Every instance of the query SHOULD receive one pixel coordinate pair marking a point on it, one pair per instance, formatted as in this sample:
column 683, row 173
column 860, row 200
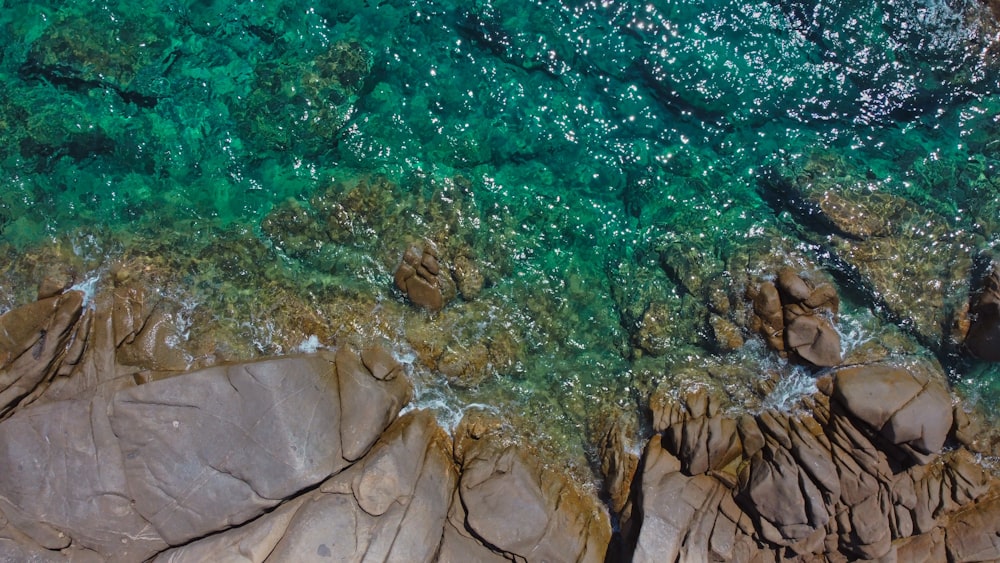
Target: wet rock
column 54, row 285
column 814, row 339
column 294, row 229
column 903, row 406
column 554, row 520
column 618, row 465
column 146, row 331
column 983, row 339
column 34, row 339
column 467, row 344
column 909, row 261
column 769, row 318
column 468, row 277
column 793, row 315
column 725, row 333
column 418, row 276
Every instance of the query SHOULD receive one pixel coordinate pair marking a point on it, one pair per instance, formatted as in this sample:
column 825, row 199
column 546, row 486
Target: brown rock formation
column 832, row 484
column 793, row 315
column 419, row 276
column 523, row 510
column 35, row 340
column 983, row 340
column 286, row 459
column 389, row 506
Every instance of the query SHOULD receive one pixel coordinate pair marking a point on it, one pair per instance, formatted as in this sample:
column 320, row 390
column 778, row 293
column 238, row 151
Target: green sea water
column 293, row 148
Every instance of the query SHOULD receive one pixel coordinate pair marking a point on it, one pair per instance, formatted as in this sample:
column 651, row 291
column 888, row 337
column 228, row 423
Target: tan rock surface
column 33, row 341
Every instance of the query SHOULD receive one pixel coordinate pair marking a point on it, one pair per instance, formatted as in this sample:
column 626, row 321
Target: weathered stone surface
column 983, row 340
column 418, row 276
column 923, row 548
column 303, row 458
column 618, row 465
column 459, row 545
column 973, row 534
column 33, row 341
column 905, row 407
column 703, row 443
column 219, row 446
column 390, row 506
column 823, row 485
column 63, row 480
column 679, row 512
column 523, row 510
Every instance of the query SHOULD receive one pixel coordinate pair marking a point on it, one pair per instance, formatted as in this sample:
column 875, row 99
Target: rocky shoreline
column 117, row 446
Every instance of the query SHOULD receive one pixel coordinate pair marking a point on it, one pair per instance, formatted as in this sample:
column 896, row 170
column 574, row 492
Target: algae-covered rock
column 983, row 339
column 301, row 105
column 129, row 55
column 911, row 262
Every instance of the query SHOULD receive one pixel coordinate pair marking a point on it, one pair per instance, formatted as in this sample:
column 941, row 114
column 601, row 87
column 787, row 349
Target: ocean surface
column 266, row 164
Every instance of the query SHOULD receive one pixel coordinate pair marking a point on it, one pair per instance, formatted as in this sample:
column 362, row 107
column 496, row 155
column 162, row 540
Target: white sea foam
column 790, row 390
column 89, row 288
column 310, row 345
column 447, row 412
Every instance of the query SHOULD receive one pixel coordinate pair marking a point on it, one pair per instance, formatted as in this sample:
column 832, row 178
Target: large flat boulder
column 127, row 473
column 905, row 406
column 63, row 482
column 390, row 506
column 219, row 446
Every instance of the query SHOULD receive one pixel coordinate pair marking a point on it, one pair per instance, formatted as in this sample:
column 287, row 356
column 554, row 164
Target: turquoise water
column 267, row 163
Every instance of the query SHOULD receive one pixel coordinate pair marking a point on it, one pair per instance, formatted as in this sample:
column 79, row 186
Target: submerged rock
column 911, row 262
column 983, row 339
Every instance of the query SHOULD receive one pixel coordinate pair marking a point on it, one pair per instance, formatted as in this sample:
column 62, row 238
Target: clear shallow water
column 562, row 145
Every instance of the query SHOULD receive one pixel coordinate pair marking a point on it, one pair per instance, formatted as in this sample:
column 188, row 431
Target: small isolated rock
column 814, row 340
column 468, row 277
column 417, row 276
column 793, row 315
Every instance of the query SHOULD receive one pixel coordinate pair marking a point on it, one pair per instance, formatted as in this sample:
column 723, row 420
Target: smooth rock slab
column 217, row 447
column 389, row 506
column 62, row 479
column 904, row 406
